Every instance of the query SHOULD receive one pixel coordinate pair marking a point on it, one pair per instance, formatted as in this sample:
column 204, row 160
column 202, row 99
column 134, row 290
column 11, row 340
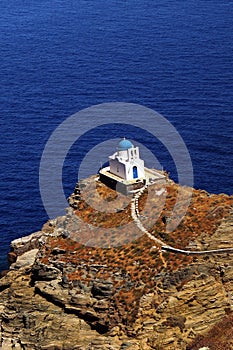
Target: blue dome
column 124, row 145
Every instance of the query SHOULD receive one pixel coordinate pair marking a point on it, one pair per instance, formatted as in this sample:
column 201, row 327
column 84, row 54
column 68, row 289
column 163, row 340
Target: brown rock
column 58, row 296
column 27, row 259
column 12, row 257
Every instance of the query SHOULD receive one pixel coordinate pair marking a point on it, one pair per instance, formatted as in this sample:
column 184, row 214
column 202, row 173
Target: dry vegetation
column 204, row 215
column 127, row 259
column 220, row 337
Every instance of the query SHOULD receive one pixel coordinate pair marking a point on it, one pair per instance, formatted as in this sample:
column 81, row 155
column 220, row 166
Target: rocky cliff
column 91, row 280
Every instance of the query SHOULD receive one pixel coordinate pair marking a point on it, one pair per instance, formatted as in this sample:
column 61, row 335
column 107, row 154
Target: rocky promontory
column 92, row 280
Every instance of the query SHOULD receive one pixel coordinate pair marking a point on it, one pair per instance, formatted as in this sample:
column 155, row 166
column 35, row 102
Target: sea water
column 58, row 57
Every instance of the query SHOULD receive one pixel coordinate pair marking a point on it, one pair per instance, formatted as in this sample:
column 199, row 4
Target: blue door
column 135, row 172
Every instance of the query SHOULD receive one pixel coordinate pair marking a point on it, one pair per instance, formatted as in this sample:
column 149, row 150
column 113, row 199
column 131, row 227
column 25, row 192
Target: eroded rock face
column 43, row 315
column 29, row 321
column 53, row 298
column 184, row 314
column 27, row 259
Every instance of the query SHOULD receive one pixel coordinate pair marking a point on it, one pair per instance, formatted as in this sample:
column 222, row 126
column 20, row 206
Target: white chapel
column 126, row 162
column 126, row 171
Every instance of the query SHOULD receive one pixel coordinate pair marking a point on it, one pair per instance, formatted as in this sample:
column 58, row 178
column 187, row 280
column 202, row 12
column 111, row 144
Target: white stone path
column 160, row 245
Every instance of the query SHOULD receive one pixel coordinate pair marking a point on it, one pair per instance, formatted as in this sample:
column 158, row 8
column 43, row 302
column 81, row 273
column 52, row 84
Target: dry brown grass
column 220, row 337
column 134, row 257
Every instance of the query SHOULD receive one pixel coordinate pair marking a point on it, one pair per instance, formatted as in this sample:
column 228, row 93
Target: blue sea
column 59, row 57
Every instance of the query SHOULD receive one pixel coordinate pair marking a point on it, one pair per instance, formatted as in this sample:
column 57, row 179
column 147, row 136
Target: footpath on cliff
column 95, row 279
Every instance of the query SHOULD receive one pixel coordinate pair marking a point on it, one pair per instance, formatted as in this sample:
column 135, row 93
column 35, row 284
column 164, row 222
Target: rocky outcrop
column 30, row 321
column 27, row 259
column 60, row 294
column 49, row 315
column 183, row 314
column 24, row 244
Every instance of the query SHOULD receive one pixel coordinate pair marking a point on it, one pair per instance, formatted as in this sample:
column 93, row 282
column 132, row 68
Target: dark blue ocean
column 59, row 57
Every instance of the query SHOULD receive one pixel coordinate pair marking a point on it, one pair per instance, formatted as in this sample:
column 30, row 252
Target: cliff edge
column 92, row 279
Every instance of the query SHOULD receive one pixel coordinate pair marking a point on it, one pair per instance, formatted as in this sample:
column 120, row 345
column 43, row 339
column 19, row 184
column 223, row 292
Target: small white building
column 126, row 162
column 126, row 171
